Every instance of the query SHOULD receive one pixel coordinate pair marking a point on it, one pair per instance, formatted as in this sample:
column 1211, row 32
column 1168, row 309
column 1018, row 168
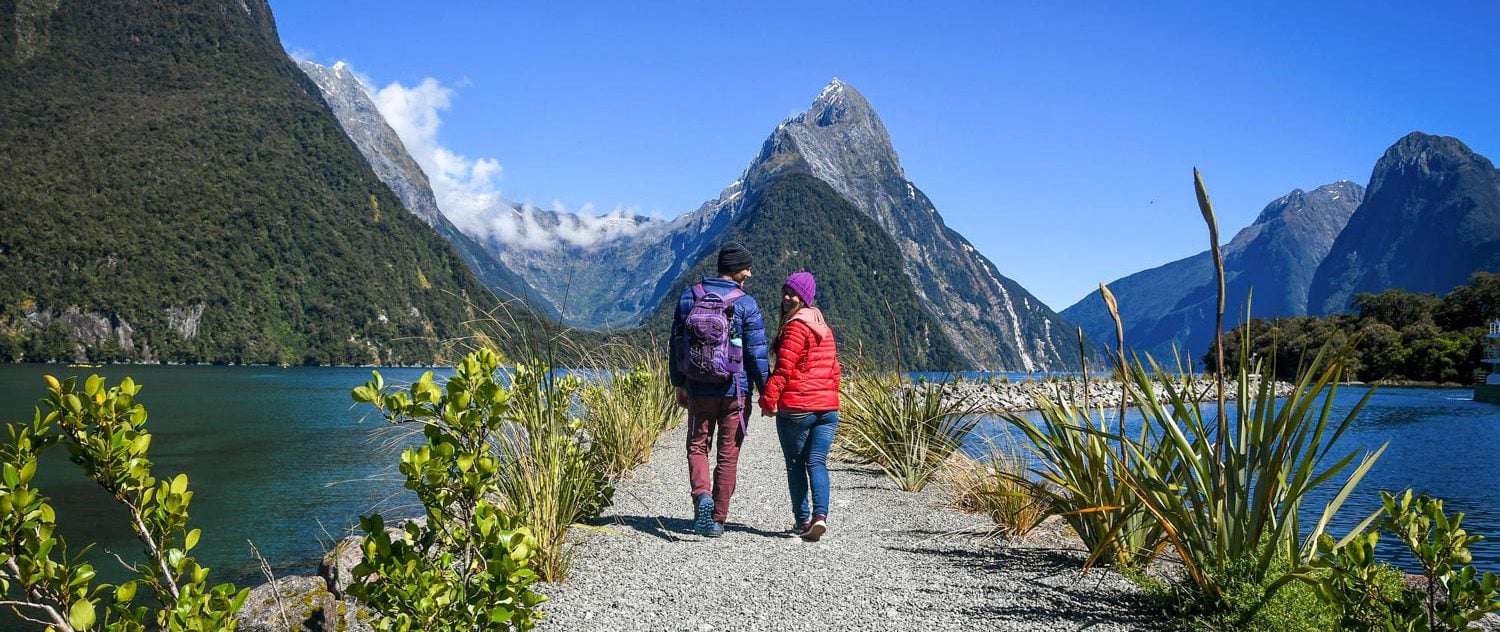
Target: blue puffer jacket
column 752, row 331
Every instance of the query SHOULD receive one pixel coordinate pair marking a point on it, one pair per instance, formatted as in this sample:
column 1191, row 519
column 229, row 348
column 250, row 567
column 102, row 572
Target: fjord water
column 280, row 457
column 1441, row 442
column 284, row 458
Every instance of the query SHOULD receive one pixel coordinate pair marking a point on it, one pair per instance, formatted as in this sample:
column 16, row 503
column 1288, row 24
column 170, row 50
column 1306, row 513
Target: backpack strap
column 698, row 292
column 733, row 295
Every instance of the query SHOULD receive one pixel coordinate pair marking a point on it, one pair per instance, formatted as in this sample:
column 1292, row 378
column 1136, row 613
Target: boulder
column 301, row 604
column 338, row 565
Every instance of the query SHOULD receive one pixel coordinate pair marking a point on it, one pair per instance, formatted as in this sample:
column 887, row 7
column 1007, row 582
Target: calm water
column 280, row 457
column 284, row 458
column 1441, row 442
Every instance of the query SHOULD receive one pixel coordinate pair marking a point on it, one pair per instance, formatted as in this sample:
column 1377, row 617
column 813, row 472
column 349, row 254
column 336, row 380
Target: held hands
column 682, row 398
column 767, row 409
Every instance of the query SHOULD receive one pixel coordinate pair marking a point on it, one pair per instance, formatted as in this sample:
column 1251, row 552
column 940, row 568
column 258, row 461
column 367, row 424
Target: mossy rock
column 301, row 604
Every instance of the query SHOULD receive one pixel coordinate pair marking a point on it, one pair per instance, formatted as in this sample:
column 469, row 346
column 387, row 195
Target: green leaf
column 125, row 592
column 81, row 615
column 192, row 539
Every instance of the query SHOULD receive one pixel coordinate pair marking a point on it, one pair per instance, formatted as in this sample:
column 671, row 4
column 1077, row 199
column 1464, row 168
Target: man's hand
column 682, row 399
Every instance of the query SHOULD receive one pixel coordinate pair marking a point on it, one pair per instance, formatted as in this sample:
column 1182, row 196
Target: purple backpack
column 707, row 353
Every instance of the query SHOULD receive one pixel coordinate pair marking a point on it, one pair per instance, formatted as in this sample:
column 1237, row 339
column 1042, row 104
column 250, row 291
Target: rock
column 338, row 565
column 304, row 605
column 290, row 603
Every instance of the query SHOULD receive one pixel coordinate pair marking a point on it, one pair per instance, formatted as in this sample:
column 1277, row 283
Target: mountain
column 175, row 189
column 989, row 320
column 357, row 114
column 1173, row 305
column 872, row 306
column 599, row 273
column 1430, row 218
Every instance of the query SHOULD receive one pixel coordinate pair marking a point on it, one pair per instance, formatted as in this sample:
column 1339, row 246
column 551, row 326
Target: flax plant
column 1229, row 491
column 1243, row 503
column 1079, row 468
column 1080, row 476
column 907, row 430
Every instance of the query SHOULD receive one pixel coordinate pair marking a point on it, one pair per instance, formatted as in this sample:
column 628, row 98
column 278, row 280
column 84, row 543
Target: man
column 719, row 354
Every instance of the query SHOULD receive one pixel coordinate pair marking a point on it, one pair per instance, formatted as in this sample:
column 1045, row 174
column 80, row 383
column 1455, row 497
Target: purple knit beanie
column 803, row 285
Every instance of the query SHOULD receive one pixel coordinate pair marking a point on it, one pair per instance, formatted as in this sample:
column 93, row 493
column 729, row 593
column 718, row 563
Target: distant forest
column 1393, row 335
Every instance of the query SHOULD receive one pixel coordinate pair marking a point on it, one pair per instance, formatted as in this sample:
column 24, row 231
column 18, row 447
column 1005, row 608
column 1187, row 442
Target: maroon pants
column 706, row 417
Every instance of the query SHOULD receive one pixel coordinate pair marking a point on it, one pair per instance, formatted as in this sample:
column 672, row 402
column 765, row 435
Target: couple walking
column 719, row 354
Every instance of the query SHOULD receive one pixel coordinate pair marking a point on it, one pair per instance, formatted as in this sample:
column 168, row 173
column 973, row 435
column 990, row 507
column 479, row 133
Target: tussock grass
column 584, row 409
column 626, row 410
column 907, row 430
column 992, row 483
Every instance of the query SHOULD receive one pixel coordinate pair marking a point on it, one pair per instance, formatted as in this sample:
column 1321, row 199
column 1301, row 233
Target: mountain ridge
column 1173, row 305
column 1432, row 200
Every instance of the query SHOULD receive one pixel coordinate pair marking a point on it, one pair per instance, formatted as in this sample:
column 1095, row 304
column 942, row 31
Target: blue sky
column 1058, row 137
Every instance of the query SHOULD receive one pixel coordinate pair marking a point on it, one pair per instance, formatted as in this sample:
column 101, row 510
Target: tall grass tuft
column 907, row 430
column 626, row 410
column 548, row 478
column 992, row 483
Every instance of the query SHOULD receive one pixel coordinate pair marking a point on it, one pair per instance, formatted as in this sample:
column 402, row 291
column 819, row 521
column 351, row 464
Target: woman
column 803, row 393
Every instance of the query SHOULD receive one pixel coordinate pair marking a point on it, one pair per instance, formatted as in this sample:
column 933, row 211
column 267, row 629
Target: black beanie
column 733, row 258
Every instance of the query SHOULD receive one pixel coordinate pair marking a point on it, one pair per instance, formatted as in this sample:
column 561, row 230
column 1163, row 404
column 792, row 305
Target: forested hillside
column 174, row 189
column 1393, row 335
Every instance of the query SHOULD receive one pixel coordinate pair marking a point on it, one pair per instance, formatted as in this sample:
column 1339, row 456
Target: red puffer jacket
column 806, row 377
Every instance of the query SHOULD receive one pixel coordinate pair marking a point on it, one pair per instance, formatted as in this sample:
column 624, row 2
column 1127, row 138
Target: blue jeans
column 805, row 441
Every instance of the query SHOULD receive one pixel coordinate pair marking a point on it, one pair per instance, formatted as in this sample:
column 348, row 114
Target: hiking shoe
column 703, row 519
column 799, row 529
column 816, row 530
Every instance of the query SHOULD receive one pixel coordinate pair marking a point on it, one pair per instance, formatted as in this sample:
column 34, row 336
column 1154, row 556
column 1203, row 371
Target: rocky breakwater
column 998, row 397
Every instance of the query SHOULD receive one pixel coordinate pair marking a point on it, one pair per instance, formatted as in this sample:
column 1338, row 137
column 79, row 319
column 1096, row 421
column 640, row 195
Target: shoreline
column 1023, row 396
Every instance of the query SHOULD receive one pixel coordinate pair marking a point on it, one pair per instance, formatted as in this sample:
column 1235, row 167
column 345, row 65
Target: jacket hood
column 813, row 318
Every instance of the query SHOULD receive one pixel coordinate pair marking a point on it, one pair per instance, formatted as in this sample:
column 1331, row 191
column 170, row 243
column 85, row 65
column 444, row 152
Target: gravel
column 890, row 561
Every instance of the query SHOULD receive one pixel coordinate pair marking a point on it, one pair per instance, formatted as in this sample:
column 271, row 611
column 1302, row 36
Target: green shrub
column 104, row 429
column 1255, row 605
column 907, row 430
column 468, row 566
column 1454, row 596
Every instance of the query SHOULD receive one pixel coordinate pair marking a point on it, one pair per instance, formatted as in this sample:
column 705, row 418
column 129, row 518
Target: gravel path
column 890, row 561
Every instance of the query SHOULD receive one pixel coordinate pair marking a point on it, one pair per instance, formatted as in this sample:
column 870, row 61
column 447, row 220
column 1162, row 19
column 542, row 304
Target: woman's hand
column 766, row 409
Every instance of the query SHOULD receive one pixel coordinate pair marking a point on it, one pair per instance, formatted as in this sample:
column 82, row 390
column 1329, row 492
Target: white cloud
column 299, row 54
column 467, row 189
